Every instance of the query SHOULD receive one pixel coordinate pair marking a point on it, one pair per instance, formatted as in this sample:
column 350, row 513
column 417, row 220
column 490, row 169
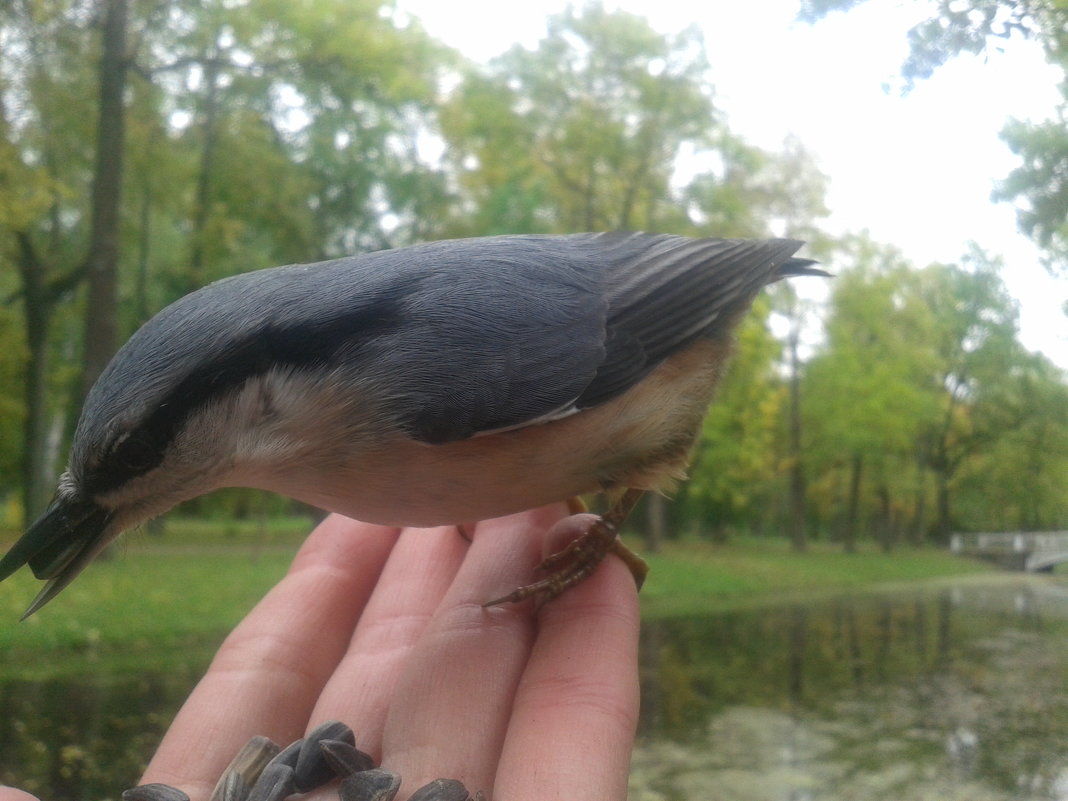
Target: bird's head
column 148, row 438
column 199, row 398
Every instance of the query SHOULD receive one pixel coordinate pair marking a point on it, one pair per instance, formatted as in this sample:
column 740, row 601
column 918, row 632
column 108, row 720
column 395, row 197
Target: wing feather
column 667, row 291
column 548, row 325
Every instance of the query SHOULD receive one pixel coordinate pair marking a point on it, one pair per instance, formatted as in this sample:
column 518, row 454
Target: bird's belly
column 640, row 439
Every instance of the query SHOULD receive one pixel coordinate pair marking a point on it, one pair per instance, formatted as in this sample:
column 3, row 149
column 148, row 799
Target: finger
column 451, row 705
column 420, row 569
column 576, row 705
column 269, row 671
column 11, row 794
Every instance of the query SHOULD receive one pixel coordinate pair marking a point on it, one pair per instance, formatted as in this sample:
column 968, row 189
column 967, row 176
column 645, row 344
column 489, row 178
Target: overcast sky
column 916, row 170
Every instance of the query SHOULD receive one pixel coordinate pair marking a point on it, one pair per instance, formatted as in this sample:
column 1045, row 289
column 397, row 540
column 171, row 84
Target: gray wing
column 664, row 292
column 497, row 333
column 538, row 327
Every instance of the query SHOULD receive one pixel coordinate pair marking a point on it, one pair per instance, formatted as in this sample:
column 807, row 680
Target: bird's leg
column 579, row 559
column 638, row 567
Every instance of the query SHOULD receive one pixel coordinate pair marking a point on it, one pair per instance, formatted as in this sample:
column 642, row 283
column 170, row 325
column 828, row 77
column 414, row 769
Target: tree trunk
column 919, row 511
column 849, row 535
column 101, row 321
column 943, row 524
column 37, row 478
column 655, row 519
column 886, row 521
column 797, row 473
column 207, row 167
column 144, row 248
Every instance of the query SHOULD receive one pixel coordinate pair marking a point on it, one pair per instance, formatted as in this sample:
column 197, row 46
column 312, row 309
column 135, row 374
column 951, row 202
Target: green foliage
column 591, row 123
column 870, row 392
column 12, row 406
column 585, row 132
column 1019, row 481
column 1040, row 183
column 966, row 26
column 923, row 396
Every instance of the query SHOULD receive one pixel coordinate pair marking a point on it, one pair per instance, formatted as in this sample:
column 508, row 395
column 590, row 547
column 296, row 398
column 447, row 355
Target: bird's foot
column 580, row 558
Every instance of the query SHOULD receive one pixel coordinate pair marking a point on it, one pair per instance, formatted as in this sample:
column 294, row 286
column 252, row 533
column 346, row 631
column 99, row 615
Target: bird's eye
column 135, row 454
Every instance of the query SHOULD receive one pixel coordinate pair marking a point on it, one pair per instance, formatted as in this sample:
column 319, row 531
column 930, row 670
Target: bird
column 426, row 385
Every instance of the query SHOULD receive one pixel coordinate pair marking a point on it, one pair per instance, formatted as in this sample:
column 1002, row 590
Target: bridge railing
column 1009, row 542
column 1016, row 550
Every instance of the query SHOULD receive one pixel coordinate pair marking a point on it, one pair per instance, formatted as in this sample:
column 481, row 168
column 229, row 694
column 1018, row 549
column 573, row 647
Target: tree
column 922, row 397
column 587, row 127
column 795, row 312
column 44, row 165
column 1021, row 481
column 591, row 131
column 868, row 391
column 102, row 257
column 1039, row 186
column 975, row 349
column 300, row 122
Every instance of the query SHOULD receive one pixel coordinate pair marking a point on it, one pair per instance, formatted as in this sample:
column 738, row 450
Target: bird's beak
column 59, row 545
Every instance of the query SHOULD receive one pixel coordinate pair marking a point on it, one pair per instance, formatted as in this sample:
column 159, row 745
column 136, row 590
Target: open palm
column 384, row 630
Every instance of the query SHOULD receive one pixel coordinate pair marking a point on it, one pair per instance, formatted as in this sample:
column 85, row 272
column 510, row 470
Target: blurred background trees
column 150, row 146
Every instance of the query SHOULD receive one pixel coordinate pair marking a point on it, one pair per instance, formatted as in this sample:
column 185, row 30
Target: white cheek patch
column 281, row 429
column 280, row 421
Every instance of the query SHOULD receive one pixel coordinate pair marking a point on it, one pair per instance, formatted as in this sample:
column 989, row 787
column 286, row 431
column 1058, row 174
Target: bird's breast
column 639, row 439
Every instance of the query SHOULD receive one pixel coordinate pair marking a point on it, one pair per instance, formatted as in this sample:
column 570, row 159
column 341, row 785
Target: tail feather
column 798, row 266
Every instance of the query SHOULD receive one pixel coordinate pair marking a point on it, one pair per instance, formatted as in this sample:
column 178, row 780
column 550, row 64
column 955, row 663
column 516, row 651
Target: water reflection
column 959, row 694
column 88, row 738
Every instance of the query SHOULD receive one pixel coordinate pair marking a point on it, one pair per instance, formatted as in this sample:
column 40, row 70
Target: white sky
column 915, row 170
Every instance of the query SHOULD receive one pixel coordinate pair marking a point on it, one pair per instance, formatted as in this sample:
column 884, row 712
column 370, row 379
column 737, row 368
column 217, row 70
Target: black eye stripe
column 300, row 347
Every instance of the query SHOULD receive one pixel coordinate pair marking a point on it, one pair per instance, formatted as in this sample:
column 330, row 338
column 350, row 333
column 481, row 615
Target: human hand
column 384, row 630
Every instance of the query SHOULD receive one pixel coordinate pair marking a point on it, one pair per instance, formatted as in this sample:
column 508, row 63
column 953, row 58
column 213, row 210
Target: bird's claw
column 576, row 561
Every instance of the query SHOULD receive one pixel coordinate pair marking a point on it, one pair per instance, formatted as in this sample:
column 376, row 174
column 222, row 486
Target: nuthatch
column 433, row 384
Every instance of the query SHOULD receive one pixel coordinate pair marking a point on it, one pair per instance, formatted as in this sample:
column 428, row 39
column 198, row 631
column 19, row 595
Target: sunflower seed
column 154, row 792
column 370, row 785
column 275, row 783
column 312, row 768
column 246, row 766
column 231, row 787
column 288, row 756
column 345, row 759
column 441, row 790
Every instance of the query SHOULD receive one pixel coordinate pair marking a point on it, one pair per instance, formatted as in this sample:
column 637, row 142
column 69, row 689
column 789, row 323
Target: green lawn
column 690, row 578
column 187, row 588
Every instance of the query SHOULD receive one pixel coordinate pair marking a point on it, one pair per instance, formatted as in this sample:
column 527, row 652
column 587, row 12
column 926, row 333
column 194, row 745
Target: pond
column 951, row 693
column 954, row 694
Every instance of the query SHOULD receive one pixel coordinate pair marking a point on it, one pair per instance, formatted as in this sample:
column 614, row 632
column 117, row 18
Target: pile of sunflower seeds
column 264, row 771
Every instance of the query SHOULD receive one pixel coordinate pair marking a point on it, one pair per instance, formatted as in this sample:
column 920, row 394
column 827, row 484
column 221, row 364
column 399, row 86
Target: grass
column 184, row 590
column 694, row 578
column 151, row 596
